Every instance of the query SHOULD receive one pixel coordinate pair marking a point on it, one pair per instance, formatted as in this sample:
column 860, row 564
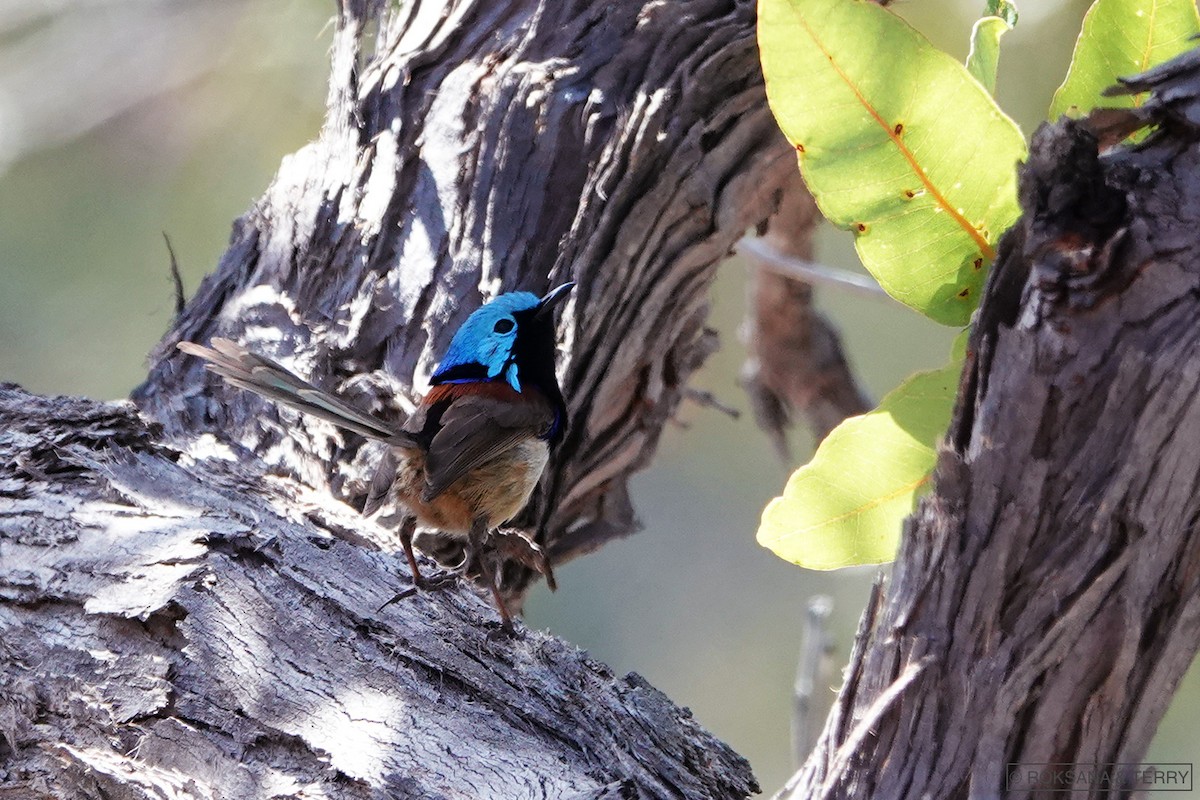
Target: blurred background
column 124, row 119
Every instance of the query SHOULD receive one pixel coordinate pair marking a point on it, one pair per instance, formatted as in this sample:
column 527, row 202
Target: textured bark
column 189, row 608
column 795, row 364
column 484, row 146
column 178, row 625
column 1046, row 600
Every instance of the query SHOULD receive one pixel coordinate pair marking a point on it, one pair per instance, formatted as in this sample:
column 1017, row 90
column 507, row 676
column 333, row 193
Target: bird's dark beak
column 545, row 306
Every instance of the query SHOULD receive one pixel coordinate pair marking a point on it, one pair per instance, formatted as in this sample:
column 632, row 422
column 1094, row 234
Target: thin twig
column 865, row 726
column 810, row 271
column 176, row 278
column 812, row 670
column 710, row 400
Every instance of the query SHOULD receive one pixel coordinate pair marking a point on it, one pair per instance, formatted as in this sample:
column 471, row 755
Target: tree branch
column 795, row 364
column 177, row 624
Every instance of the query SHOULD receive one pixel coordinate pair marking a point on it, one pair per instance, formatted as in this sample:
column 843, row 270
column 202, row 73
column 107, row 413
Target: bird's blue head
column 511, row 338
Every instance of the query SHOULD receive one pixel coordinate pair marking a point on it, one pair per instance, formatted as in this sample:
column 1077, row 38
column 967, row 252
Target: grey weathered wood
column 178, row 625
column 1046, row 600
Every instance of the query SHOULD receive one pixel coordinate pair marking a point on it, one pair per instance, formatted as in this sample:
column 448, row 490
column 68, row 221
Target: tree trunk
column 484, row 146
column 1046, row 600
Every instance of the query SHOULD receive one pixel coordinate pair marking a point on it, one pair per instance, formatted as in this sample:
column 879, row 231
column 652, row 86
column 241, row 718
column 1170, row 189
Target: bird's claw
column 516, row 545
column 424, row 583
column 397, row 597
column 438, row 580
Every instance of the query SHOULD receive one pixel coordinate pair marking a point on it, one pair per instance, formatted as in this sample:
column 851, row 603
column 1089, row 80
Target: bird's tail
column 265, row 377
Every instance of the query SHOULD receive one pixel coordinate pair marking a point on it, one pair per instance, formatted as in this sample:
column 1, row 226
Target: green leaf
column 958, row 348
column 1004, row 9
column 846, row 506
column 1119, row 38
column 985, row 41
column 897, row 143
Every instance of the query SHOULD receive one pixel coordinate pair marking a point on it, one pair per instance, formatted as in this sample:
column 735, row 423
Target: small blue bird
column 469, row 457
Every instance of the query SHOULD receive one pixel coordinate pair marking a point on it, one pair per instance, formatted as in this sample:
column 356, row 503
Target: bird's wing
column 265, row 377
column 476, row 428
column 381, row 483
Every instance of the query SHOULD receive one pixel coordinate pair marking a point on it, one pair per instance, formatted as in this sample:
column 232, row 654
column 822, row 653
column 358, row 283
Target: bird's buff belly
column 497, row 490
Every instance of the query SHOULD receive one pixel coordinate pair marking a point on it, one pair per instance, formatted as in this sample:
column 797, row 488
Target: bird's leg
column 408, row 527
column 475, row 550
column 438, row 580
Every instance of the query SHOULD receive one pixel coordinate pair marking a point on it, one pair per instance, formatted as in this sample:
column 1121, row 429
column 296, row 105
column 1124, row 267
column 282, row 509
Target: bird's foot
column 507, row 629
column 438, row 580
column 443, row 579
column 516, row 545
column 397, row 597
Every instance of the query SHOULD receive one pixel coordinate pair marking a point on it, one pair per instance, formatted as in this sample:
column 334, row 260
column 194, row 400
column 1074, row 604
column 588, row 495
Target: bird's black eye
column 504, row 325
